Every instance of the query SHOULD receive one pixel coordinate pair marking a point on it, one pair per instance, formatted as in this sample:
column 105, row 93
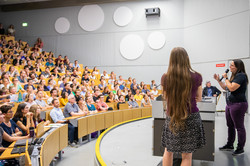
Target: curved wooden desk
column 102, row 120
column 53, row 144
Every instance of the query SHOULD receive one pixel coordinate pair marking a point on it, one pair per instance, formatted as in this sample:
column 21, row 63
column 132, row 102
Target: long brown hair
column 177, row 85
column 240, row 68
column 36, row 116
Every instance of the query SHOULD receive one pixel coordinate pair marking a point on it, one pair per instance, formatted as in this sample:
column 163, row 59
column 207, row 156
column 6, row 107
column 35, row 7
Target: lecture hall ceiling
column 18, row 5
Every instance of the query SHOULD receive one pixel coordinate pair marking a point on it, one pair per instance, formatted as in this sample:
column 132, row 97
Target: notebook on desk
column 19, row 150
column 22, row 142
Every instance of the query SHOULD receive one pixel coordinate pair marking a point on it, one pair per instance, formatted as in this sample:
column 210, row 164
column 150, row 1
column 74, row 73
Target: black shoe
column 226, row 148
column 238, row 152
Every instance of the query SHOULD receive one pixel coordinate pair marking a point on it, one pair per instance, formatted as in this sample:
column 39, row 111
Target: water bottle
column 20, row 97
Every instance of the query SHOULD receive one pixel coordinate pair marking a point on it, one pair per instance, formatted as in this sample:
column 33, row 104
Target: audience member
column 57, row 116
column 210, row 91
column 132, row 103
column 72, row 109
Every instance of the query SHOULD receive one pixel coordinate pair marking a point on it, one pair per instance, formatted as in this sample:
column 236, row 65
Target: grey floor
column 141, row 152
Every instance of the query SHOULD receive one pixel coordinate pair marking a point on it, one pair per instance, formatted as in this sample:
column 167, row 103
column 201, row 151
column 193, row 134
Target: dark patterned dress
column 192, row 137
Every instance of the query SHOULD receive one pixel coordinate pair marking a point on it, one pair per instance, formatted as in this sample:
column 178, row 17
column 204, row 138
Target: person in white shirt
column 57, row 116
column 105, row 75
column 154, row 91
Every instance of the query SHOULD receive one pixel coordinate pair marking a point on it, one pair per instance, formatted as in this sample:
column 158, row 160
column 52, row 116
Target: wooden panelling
column 82, row 127
column 118, row 117
column 136, row 113
column 99, row 122
column 109, row 119
column 91, row 124
column 127, row 114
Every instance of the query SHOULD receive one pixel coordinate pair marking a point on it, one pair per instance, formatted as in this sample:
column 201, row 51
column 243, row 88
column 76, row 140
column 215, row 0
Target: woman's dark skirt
column 187, row 140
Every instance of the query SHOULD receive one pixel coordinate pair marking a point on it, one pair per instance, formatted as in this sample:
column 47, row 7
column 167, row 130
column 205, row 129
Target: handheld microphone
column 225, row 72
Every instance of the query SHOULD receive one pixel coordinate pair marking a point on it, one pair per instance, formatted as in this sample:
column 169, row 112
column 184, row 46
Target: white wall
column 216, row 31
column 212, row 31
column 101, row 48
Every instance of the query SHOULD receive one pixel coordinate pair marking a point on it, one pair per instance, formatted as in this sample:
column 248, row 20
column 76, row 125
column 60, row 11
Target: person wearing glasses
column 4, row 136
column 23, row 118
column 16, row 84
column 8, row 125
column 72, row 109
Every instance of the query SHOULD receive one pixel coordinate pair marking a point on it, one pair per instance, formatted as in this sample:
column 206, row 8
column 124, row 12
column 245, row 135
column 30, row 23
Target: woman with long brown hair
column 236, row 106
column 183, row 131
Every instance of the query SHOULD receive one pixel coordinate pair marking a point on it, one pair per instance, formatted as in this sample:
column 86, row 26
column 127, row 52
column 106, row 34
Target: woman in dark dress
column 183, row 131
column 236, row 105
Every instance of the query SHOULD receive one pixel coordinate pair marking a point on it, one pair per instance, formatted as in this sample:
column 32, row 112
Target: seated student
column 43, row 84
column 145, row 89
column 54, row 94
column 64, row 81
column 95, row 71
column 3, row 135
column 83, row 91
column 23, row 77
column 30, row 83
column 128, row 95
column 90, row 106
column 86, row 70
column 5, row 83
column 138, row 96
column 121, row 101
column 74, row 74
column 105, row 75
column 50, row 63
column 57, row 116
column 70, row 67
column 16, row 84
column 85, row 78
column 106, row 91
column 153, row 84
column 40, row 102
column 101, row 105
column 72, row 109
column 36, row 110
column 210, row 91
column 75, row 65
column 29, row 100
column 50, row 84
column 29, row 91
column 8, row 125
column 146, row 102
column 64, row 99
column 44, row 96
column 132, row 103
column 154, row 91
column 92, row 76
column 23, row 118
column 82, row 105
column 12, row 71
column 96, row 95
column 67, row 88
column 102, row 85
column 78, row 94
column 133, row 90
column 13, row 94
column 46, row 73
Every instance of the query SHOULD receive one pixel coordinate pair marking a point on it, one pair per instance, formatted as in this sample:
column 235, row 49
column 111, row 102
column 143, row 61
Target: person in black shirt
column 85, row 78
column 210, row 91
column 2, row 31
column 236, row 105
column 121, row 101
